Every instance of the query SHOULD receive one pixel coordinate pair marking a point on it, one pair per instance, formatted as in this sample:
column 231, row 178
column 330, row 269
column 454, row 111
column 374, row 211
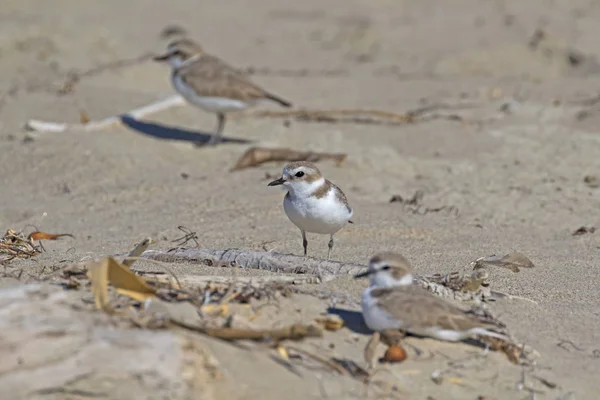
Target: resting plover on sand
column 392, row 302
column 211, row 84
column 313, row 203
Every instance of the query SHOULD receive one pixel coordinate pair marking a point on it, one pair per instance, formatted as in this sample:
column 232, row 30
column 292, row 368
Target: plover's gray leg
column 216, row 137
column 330, row 245
column 369, row 351
column 304, row 242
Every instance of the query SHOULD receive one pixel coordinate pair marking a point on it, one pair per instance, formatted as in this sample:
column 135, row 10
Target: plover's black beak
column 363, row 274
column 277, row 182
column 162, row 57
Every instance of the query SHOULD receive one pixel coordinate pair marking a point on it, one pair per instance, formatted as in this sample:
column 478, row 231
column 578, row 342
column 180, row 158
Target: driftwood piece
column 266, row 261
column 159, row 105
column 197, row 280
column 259, row 155
column 293, row 332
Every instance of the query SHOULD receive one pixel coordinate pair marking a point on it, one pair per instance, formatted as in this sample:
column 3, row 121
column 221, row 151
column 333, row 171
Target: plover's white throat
column 313, row 203
column 211, row 84
column 392, row 302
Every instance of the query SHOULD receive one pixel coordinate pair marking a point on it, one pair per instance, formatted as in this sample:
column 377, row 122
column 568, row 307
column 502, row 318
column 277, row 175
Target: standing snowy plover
column 313, row 203
column 211, row 84
column 392, row 302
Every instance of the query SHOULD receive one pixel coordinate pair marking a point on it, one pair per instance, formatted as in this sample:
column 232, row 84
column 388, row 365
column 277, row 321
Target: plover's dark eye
column 385, row 267
column 299, row 174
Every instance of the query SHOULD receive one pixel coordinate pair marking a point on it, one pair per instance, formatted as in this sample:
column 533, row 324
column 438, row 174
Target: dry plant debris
column 591, row 181
column 414, row 204
column 583, row 230
column 109, row 271
column 473, row 286
column 422, row 114
column 201, row 304
column 16, row 245
column 256, row 156
column 360, row 116
column 511, row 261
column 331, row 322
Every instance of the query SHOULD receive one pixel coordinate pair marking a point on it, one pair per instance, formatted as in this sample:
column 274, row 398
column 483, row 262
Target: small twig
column 294, row 332
column 189, row 235
column 339, row 369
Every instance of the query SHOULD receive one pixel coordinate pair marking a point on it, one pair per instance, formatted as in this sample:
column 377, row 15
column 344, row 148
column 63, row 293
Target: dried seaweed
column 18, row 245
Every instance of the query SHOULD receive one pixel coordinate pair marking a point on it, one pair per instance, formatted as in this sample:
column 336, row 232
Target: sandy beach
column 507, row 155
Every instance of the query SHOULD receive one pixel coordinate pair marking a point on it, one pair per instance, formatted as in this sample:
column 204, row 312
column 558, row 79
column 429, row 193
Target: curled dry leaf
column 108, row 270
column 259, row 155
column 512, row 261
column 137, row 252
column 282, row 351
column 47, row 236
column 83, row 117
column 331, row 322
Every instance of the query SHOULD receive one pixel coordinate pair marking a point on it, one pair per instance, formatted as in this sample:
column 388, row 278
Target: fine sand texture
column 510, row 146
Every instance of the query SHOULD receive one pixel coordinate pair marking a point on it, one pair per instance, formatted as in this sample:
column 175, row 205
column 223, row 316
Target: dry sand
column 515, row 171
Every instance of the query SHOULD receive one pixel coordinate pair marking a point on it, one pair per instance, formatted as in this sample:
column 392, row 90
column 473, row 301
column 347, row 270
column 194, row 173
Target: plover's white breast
column 375, row 317
column 211, row 104
column 325, row 215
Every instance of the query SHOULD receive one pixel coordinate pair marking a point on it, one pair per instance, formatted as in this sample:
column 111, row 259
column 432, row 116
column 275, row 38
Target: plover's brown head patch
column 301, row 171
column 388, row 269
column 182, row 49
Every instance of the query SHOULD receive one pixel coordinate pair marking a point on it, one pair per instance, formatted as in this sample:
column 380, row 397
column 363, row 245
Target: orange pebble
column 394, row 354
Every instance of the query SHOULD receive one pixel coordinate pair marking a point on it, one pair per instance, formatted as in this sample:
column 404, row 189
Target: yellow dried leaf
column 331, row 322
column 283, row 353
column 128, row 283
column 216, row 309
column 98, row 276
column 124, row 281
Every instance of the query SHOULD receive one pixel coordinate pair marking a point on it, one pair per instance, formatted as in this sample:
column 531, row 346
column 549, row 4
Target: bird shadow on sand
column 353, row 320
column 163, row 132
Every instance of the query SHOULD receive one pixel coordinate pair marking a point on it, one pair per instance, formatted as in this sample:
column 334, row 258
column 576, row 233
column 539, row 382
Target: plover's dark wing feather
column 415, row 306
column 341, row 196
column 209, row 76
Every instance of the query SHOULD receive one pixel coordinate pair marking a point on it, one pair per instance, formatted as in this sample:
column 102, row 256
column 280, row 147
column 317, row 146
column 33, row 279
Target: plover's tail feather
column 488, row 332
column 276, row 99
